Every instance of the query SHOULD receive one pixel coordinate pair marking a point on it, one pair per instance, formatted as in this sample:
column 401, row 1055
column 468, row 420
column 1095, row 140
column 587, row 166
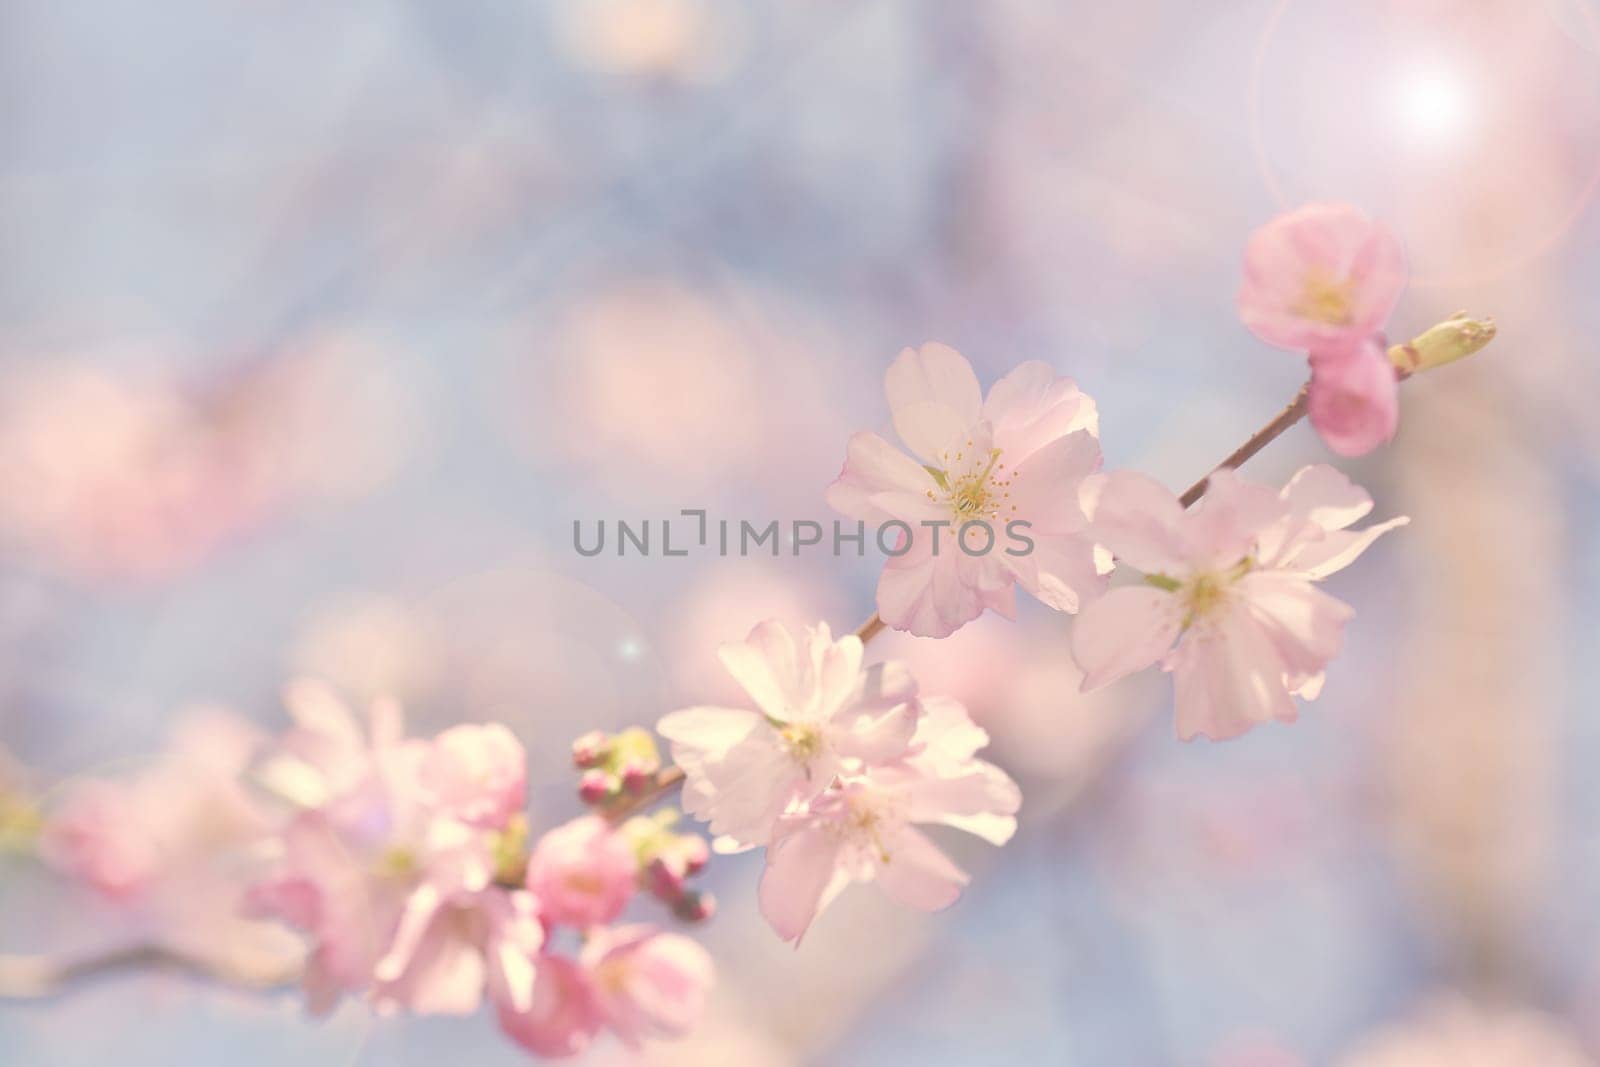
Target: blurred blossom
column 325, row 416
column 678, row 40
column 1453, row 1031
column 114, row 477
column 648, row 379
column 171, row 845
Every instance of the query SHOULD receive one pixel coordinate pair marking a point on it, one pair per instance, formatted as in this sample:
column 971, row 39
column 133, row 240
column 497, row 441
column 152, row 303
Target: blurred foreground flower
column 407, row 866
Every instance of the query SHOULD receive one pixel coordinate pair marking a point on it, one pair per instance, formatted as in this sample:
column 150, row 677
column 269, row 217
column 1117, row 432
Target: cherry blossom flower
column 1323, row 280
column 647, row 983
column 461, row 934
column 820, row 713
column 1324, row 277
column 562, row 1016
column 477, row 774
column 584, row 872
column 130, row 834
column 1016, row 457
column 1233, row 584
column 864, row 829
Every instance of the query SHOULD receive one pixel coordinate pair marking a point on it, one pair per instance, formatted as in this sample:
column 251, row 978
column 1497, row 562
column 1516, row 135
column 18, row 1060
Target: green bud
column 1455, row 338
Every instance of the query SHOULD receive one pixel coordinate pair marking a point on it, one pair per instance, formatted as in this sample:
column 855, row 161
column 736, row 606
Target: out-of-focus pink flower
column 458, row 936
column 647, row 983
column 820, row 713
column 186, row 810
column 563, row 1015
column 1232, row 582
column 1017, row 456
column 366, row 781
column 477, row 774
column 367, row 837
column 114, row 478
column 345, row 901
column 1354, row 401
column 583, row 872
column 96, row 835
column 864, row 829
column 1323, row 277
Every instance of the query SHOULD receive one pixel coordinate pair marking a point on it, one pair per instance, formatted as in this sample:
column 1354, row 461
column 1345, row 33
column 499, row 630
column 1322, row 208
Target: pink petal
column 768, row 664
column 927, row 594
column 1124, row 631
column 1304, row 624
column 1228, row 677
column 799, row 869
column 1224, row 527
column 982, row 800
column 1044, row 486
column 1140, row 521
column 1340, row 548
column 916, row 874
column 934, row 397
column 563, row 1017
column 708, row 729
column 879, row 482
column 947, row 732
column 875, row 738
column 1326, row 496
column 1341, row 245
column 1355, row 398
column 1032, row 406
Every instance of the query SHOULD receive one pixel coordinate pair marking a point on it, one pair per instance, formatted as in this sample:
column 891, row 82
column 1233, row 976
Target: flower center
column 1203, row 593
column 1326, row 299
column 979, row 494
column 803, row 739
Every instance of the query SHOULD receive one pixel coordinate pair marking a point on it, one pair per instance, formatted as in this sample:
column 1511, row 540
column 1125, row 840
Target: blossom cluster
column 405, row 864
column 408, row 867
column 833, row 771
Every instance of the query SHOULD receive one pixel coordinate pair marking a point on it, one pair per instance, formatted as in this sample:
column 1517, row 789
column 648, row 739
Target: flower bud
column 1455, row 338
column 636, row 779
column 694, row 906
column 663, row 881
column 595, row 786
column 590, row 750
column 695, row 853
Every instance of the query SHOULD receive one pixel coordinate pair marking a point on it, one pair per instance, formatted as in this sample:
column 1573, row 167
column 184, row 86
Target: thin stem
column 871, row 628
column 41, row 977
column 1259, row 440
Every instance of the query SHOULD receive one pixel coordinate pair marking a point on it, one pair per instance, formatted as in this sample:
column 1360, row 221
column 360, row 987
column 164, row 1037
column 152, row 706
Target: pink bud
column 695, row 906
column 695, row 853
column 595, row 786
column 591, row 749
column 664, row 882
column 636, row 779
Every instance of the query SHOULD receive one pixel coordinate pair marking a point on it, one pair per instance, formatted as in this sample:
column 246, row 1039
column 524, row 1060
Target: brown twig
column 40, row 977
column 1259, row 440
